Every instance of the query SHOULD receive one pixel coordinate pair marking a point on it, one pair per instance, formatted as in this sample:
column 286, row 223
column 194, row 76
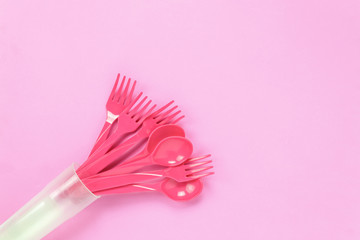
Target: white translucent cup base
column 60, row 200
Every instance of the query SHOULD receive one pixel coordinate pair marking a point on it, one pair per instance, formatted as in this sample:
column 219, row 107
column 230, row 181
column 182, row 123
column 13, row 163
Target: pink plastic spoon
column 156, row 136
column 174, row 190
column 169, row 152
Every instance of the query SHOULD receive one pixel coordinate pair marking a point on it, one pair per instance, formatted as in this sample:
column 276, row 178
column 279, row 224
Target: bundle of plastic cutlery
column 139, row 149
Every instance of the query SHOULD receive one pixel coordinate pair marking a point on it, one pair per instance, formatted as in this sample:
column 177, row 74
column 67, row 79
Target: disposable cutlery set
column 139, row 149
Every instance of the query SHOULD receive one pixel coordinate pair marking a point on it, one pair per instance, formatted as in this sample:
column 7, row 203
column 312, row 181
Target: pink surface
column 270, row 88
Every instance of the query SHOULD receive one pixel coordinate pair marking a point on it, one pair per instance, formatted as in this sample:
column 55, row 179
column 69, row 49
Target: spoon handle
column 127, row 168
column 99, row 183
column 149, row 187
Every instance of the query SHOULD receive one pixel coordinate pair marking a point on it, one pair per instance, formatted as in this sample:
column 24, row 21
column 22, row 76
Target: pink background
column 270, row 88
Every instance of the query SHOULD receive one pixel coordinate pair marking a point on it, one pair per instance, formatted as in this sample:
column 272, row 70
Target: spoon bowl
column 181, row 191
column 161, row 133
column 172, row 151
column 174, row 190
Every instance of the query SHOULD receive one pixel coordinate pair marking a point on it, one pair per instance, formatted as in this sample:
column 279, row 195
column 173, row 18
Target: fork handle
column 108, row 143
column 92, row 168
column 102, row 137
column 140, row 161
column 99, row 164
column 96, row 183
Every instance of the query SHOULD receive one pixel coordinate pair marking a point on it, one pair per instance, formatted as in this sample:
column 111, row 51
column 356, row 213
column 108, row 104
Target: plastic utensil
column 186, row 172
column 177, row 191
column 156, row 136
column 128, row 121
column 118, row 100
column 169, row 152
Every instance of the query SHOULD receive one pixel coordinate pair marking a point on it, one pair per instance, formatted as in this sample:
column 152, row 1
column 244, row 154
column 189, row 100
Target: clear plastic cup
column 60, row 200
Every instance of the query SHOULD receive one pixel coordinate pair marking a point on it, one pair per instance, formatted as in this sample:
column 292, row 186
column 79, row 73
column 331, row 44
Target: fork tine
column 129, row 97
column 118, row 93
column 198, row 164
column 163, row 115
column 124, row 93
column 191, row 172
column 155, row 114
column 168, row 119
column 202, row 175
column 132, row 103
column 148, row 113
column 134, row 110
column 112, row 94
column 198, row 158
column 137, row 115
column 178, row 119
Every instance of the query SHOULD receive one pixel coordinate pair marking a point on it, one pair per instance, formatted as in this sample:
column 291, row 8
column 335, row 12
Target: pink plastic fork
column 155, row 120
column 128, row 121
column 117, row 102
column 182, row 173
